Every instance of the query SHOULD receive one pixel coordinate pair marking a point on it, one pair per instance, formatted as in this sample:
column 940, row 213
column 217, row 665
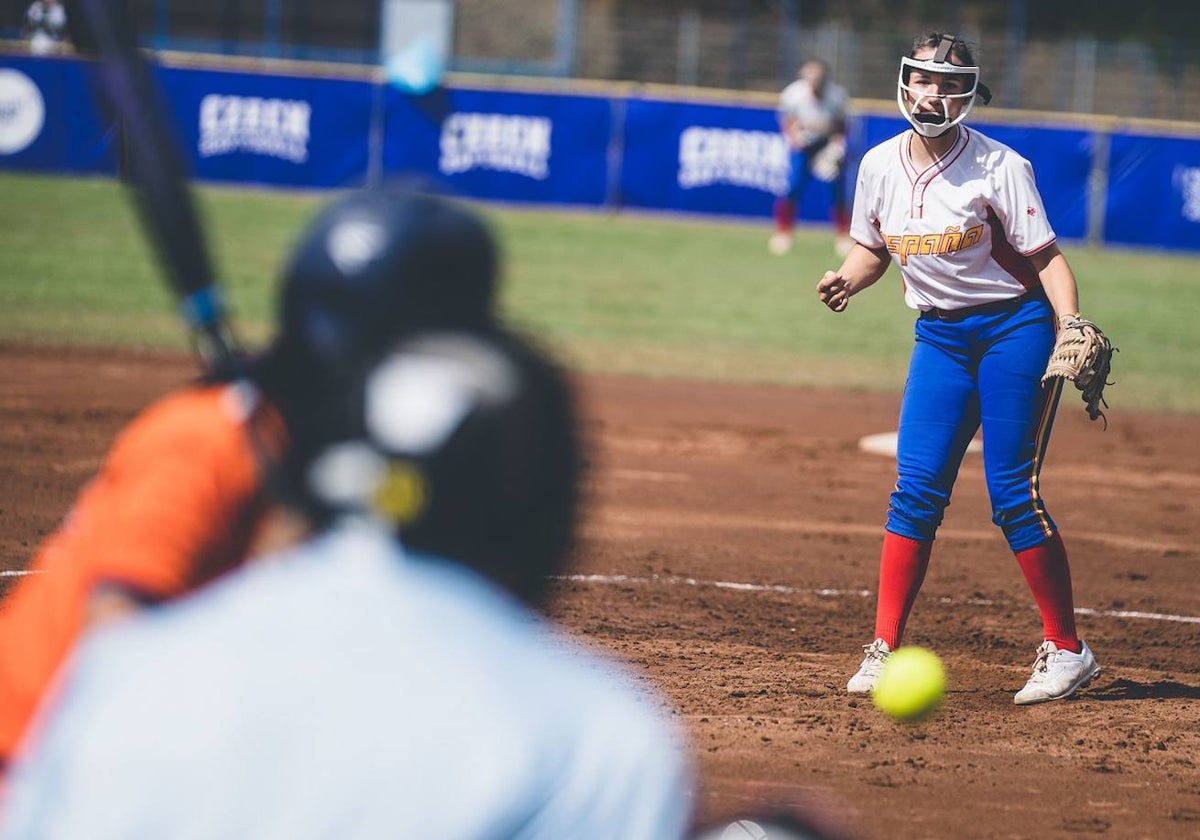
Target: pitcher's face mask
column 925, row 102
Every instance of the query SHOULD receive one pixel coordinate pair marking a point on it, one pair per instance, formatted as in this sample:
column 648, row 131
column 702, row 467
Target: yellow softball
column 911, row 685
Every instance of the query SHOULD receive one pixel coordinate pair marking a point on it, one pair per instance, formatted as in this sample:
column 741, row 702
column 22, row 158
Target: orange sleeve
column 174, row 505
column 39, row 618
column 180, row 496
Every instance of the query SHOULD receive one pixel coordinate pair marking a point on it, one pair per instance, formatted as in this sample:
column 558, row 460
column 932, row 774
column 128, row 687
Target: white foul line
column 1184, row 619
column 716, row 584
column 787, row 590
column 836, row 593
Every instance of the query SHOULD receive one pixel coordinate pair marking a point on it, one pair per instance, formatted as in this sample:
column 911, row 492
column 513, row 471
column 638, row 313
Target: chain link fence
column 760, row 54
column 1083, row 76
column 742, row 47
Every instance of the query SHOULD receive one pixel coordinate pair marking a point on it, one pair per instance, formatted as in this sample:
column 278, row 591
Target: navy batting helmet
column 379, row 262
column 372, row 266
column 464, row 442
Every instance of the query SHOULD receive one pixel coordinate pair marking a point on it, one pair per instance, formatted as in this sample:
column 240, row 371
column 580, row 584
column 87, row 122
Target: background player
column 45, row 25
column 812, row 117
column 961, row 216
column 179, row 498
column 348, row 688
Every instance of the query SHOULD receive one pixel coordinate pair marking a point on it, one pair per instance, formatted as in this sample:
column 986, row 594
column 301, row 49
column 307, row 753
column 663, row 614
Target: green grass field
column 626, row 293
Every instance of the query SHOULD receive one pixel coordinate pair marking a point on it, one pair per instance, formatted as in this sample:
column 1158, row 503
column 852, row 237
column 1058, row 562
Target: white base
column 884, row 443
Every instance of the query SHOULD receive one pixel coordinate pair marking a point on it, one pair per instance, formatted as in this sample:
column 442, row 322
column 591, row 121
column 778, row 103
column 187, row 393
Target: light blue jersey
column 347, row 691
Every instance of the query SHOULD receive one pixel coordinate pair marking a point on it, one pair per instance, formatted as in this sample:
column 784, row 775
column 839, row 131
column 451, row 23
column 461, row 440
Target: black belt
column 995, row 306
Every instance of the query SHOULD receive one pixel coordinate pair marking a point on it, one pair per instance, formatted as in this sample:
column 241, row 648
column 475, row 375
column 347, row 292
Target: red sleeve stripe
column 1041, row 247
column 1008, row 258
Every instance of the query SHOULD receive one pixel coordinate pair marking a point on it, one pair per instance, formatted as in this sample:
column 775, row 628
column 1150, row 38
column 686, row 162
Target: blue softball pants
column 981, row 370
column 799, row 176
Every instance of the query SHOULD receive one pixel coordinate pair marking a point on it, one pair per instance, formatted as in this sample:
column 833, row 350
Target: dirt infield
column 730, row 556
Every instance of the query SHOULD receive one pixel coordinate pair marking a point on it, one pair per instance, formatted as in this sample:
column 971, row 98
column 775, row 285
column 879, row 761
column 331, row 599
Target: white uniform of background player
column 812, row 118
column 46, row 26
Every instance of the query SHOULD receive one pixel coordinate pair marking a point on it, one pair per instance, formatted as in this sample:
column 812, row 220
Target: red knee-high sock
column 785, row 214
column 902, row 567
column 1049, row 577
column 841, row 219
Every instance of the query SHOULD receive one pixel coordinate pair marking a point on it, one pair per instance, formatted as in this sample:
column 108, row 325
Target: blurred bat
column 156, row 171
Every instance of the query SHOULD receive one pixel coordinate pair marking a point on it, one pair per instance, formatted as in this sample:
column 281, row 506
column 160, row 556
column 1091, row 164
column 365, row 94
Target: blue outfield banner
column 1153, row 192
column 501, row 145
column 284, row 130
column 709, row 159
column 1062, row 162
column 49, row 121
column 557, row 148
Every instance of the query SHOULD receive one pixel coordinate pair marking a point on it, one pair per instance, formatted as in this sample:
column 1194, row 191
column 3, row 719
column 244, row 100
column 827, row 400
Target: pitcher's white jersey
column 961, row 230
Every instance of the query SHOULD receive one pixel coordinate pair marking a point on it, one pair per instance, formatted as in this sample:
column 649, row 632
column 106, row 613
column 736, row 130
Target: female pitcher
column 961, row 216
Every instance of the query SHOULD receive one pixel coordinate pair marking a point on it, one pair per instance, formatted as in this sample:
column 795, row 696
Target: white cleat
column 779, row 244
column 1057, row 674
column 872, row 666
